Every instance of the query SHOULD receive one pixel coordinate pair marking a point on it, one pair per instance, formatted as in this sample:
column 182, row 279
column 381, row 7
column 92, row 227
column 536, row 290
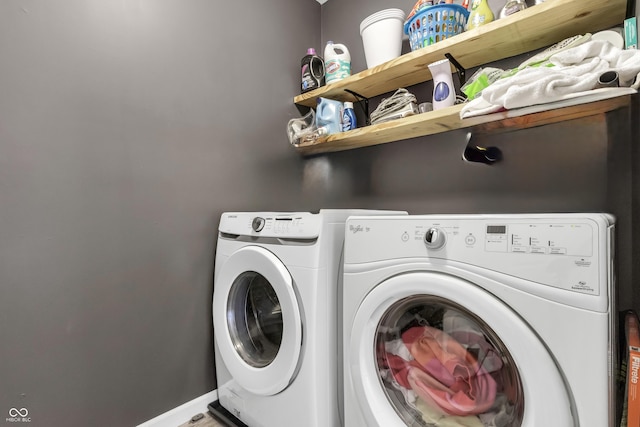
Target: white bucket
column 382, row 36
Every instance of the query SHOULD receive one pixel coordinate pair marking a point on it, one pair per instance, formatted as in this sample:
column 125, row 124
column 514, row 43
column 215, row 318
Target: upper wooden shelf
column 533, row 28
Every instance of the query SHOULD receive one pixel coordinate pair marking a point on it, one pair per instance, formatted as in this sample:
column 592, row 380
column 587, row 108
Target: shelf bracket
column 363, row 102
column 475, row 153
column 462, row 73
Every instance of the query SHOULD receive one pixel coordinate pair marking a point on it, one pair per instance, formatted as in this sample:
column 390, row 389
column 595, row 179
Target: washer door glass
column 441, row 365
column 254, row 318
column 431, row 349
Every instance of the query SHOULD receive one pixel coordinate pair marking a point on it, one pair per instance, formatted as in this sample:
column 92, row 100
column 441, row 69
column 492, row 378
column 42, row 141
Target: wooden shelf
column 533, row 28
column 448, row 119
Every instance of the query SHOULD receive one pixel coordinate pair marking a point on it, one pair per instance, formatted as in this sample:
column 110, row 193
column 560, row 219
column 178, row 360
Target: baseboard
column 182, row 413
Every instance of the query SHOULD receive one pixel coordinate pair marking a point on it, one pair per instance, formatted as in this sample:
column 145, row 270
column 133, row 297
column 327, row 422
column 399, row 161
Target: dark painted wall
column 126, row 129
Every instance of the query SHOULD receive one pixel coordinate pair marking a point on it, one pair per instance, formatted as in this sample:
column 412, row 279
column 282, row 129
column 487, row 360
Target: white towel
column 574, row 71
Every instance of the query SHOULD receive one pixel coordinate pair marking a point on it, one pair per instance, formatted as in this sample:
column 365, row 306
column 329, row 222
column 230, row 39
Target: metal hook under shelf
column 475, row 153
column 462, row 73
column 363, row 102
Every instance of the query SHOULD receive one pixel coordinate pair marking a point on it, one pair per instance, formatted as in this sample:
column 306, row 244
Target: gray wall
column 126, row 129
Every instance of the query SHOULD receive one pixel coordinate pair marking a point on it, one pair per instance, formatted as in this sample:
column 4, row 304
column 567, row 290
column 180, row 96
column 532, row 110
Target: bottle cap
column 348, row 104
column 311, row 51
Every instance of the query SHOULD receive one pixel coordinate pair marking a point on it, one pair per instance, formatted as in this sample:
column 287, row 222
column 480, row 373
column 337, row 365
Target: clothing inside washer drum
column 446, row 369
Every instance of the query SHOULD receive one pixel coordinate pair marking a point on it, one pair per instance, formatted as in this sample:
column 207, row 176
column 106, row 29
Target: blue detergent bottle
column 348, row 117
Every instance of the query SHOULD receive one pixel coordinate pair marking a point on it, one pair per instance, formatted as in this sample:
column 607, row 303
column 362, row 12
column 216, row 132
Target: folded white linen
column 572, row 71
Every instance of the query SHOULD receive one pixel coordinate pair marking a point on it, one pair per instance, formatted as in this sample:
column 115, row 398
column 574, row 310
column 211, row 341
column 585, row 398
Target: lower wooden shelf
column 447, row 119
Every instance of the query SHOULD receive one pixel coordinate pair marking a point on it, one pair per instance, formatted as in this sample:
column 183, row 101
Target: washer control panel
column 295, row 225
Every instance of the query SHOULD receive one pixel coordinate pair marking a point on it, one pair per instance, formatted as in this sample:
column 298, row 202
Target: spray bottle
column 480, row 14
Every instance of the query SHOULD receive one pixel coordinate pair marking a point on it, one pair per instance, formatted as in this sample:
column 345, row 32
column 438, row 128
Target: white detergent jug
column 337, row 62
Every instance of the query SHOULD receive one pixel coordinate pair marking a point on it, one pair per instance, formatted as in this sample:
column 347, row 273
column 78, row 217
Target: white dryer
column 479, row 320
column 275, row 316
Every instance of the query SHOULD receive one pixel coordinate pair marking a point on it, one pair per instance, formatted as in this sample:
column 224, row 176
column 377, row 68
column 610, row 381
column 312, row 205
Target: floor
column 205, row 421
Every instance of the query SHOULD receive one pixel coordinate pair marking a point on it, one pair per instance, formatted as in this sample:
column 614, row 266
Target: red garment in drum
column 443, row 373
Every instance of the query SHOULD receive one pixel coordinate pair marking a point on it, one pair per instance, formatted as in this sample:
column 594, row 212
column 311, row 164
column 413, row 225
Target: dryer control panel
column 540, row 238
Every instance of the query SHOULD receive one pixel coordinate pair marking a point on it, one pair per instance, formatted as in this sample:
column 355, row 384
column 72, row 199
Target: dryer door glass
column 254, row 319
column 439, row 364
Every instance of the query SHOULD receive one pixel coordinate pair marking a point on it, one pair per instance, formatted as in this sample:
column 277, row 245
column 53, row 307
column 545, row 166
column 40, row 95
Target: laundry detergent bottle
column 337, row 62
column 349, row 121
column 312, row 71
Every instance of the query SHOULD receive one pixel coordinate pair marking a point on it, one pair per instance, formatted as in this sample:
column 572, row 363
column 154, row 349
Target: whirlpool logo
column 18, row 415
column 358, row 228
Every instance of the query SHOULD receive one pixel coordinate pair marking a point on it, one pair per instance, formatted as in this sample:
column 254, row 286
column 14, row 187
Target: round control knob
column 257, row 224
column 434, row 238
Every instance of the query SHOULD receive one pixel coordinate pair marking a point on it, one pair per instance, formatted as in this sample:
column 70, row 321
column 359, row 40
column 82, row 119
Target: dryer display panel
column 573, row 239
column 254, row 319
column 441, row 365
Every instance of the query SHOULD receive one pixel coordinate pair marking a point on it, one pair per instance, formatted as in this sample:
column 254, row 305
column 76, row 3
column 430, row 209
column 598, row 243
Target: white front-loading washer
column 276, row 317
column 479, row 320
